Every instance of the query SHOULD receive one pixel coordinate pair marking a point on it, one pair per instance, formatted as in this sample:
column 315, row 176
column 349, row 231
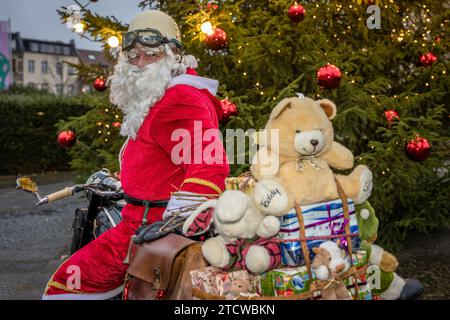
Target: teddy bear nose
column 314, row 142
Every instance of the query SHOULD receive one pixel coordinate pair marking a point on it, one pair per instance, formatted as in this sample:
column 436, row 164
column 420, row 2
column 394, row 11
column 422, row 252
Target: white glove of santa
column 182, row 204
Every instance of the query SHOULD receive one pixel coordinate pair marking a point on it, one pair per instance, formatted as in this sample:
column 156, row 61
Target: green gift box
column 284, row 282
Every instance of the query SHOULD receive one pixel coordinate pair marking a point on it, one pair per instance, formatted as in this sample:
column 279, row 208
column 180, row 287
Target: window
column 60, row 89
column 51, row 48
column 59, row 69
column 72, row 71
column 34, row 47
column 44, row 68
column 44, row 86
column 31, row 66
column 58, row 50
column 44, row 48
column 67, row 51
column 71, row 89
column 31, row 84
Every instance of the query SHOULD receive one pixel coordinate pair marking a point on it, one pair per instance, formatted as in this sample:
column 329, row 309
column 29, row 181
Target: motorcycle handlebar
column 69, row 191
column 66, row 192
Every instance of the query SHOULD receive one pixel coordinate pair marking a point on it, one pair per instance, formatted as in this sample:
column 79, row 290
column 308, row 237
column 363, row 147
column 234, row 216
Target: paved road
column 33, row 240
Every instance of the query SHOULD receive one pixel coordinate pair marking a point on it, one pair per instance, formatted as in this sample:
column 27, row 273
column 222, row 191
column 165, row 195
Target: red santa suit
column 148, row 173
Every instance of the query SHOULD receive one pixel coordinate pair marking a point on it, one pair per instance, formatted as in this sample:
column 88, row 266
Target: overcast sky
column 38, row 18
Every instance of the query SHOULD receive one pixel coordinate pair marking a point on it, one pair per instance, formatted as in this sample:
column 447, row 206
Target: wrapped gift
column 359, row 261
column 284, row 282
column 320, row 220
column 363, row 291
column 244, row 182
column 359, row 258
column 230, row 284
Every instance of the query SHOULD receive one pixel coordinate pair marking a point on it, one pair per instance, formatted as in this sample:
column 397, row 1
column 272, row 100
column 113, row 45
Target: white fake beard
column 135, row 90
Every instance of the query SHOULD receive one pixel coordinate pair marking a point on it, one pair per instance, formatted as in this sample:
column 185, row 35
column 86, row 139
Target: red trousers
column 97, row 267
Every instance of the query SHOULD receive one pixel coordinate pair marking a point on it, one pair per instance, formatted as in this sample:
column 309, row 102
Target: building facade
column 44, row 65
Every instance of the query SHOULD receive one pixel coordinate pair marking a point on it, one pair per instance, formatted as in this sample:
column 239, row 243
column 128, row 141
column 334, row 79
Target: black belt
column 146, row 203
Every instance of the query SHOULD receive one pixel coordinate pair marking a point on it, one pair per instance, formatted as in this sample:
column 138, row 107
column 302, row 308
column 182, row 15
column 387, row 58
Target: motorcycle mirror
column 26, row 184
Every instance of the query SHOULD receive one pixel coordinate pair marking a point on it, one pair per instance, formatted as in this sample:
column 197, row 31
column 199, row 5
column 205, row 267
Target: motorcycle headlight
column 103, row 180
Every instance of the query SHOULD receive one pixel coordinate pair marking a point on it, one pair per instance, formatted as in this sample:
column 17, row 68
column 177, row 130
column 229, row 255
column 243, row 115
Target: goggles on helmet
column 146, row 37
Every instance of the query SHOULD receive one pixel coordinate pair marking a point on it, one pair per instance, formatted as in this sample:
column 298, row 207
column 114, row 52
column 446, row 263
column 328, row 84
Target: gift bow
column 340, row 231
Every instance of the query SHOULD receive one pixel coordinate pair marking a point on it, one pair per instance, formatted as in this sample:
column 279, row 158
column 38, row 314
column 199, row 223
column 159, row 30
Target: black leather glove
column 150, row 232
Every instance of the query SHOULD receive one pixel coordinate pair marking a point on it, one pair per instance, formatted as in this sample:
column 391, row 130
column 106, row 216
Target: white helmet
column 145, row 28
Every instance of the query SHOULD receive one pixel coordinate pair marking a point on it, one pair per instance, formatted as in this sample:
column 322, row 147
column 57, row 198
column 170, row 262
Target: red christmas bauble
column 212, row 5
column 296, row 13
column 100, row 84
column 391, row 115
column 217, row 40
column 329, row 76
column 228, row 109
column 116, row 124
column 67, row 138
column 427, row 59
column 418, row 149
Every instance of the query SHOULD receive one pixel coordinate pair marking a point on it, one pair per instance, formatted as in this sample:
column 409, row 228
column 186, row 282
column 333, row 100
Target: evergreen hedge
column 28, row 130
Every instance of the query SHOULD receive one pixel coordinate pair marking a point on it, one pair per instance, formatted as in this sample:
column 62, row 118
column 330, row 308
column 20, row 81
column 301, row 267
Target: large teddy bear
column 293, row 165
column 243, row 233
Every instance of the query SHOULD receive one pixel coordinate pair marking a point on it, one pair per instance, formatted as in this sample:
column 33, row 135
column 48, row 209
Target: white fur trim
column 376, row 253
column 300, row 95
column 196, row 81
column 364, row 214
column 84, row 296
column 395, row 289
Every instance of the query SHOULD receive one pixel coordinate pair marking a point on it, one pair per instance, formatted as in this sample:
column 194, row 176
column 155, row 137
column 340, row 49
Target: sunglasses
column 146, row 37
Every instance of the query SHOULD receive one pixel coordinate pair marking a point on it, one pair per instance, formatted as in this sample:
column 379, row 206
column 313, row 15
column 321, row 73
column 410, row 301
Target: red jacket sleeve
column 186, row 126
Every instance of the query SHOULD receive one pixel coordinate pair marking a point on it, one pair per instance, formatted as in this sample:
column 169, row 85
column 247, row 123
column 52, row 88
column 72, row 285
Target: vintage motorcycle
column 105, row 202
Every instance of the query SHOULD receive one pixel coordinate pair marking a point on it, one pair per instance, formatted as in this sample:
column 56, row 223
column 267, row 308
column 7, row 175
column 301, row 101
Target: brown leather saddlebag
column 161, row 269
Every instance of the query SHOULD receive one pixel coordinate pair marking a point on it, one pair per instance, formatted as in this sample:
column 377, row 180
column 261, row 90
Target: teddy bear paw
column 388, row 263
column 366, row 185
column 268, row 227
column 257, row 259
column 270, row 197
column 215, row 252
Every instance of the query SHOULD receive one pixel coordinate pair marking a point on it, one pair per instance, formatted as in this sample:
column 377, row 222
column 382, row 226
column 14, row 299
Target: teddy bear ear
column 329, row 107
column 280, row 107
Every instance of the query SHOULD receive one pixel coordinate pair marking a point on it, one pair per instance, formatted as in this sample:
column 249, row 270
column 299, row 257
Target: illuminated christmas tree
column 384, row 64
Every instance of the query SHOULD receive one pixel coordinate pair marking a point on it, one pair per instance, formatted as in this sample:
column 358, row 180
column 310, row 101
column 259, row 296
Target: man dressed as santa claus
column 165, row 104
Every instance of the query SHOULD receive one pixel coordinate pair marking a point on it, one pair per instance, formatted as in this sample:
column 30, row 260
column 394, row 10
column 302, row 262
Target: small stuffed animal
column 298, row 155
column 391, row 285
column 328, row 265
column 243, row 233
